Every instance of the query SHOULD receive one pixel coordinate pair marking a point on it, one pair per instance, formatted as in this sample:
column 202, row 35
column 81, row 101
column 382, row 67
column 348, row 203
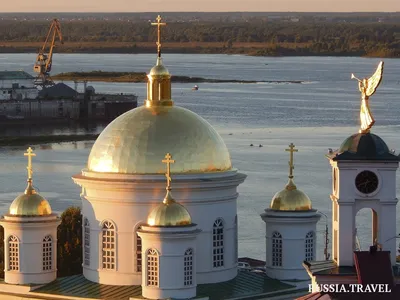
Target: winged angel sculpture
column 367, row 87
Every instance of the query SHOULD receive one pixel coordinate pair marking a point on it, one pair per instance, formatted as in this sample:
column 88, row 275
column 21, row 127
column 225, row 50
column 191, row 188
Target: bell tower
column 364, row 176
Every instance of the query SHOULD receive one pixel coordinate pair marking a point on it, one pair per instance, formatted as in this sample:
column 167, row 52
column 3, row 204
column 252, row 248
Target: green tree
column 69, row 244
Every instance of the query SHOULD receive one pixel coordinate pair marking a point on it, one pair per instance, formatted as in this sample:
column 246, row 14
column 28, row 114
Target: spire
column 291, row 185
column 159, row 79
column 29, row 189
column 168, row 197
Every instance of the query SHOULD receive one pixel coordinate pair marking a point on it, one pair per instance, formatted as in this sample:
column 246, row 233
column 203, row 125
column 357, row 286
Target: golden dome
column 30, row 203
column 134, row 142
column 159, row 69
column 169, row 213
column 291, row 199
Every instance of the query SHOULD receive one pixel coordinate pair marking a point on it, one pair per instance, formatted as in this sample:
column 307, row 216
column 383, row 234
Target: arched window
column 276, row 249
column 86, row 253
column 218, row 243
column 188, row 267
column 309, row 246
column 47, row 253
column 13, row 253
column 108, row 245
column 138, row 250
column 236, row 254
column 152, row 267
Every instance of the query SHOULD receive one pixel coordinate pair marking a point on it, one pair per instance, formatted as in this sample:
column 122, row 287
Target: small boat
column 195, row 88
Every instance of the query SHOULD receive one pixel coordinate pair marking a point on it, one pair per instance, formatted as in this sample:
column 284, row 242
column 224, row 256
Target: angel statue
column 367, row 87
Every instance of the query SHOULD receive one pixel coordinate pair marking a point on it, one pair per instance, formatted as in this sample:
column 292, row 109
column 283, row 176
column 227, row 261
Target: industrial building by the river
column 22, row 101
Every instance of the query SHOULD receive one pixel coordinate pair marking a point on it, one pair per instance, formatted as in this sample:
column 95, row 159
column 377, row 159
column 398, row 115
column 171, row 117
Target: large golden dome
column 134, row 142
column 291, row 199
column 169, row 213
column 30, row 203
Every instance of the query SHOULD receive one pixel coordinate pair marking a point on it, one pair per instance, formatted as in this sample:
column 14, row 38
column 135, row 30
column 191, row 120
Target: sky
column 200, row 5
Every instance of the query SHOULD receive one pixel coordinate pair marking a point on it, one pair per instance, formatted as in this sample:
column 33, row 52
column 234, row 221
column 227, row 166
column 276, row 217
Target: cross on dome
column 291, row 164
column 168, row 160
column 159, row 24
column 30, row 154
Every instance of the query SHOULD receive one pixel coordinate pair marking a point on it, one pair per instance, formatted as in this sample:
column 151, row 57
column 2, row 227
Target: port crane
column 45, row 59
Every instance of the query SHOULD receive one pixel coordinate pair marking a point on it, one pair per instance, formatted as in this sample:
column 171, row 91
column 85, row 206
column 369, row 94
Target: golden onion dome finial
column 291, row 161
column 290, row 198
column 30, row 203
column 168, row 160
column 159, row 79
column 169, row 212
column 29, row 189
column 158, row 24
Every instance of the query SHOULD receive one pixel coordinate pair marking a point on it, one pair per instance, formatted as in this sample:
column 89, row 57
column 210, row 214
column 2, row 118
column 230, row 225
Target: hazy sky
column 197, row 5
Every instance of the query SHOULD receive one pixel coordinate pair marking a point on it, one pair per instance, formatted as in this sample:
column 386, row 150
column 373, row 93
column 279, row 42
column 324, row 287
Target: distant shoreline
column 250, row 49
column 141, row 77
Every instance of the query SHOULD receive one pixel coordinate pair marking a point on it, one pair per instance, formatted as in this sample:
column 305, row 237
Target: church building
column 159, row 214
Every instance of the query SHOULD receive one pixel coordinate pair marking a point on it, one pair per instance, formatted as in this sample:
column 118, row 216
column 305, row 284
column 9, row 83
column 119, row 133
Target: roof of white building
column 7, row 75
column 244, row 286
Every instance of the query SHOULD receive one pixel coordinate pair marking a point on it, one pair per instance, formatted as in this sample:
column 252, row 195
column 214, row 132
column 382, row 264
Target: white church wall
column 171, row 244
column 128, row 201
column 30, row 242
column 293, row 227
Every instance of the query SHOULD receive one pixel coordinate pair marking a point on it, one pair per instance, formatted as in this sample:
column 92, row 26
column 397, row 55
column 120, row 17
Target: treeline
column 280, row 38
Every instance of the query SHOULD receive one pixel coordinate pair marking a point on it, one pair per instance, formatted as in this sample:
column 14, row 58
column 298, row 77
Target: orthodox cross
column 168, row 161
column 30, row 154
column 291, row 164
column 159, row 24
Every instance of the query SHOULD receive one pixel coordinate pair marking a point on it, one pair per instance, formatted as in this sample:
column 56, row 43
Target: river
column 316, row 115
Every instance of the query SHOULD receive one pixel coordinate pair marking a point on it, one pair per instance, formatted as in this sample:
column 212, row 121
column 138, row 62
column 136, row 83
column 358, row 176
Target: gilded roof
column 30, row 203
column 134, row 142
column 169, row 213
column 291, row 199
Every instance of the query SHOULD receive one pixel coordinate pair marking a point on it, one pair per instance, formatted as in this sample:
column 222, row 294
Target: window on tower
column 13, row 253
column 276, row 249
column 138, row 250
column 309, row 246
column 218, row 243
column 47, row 253
column 188, row 267
column 152, row 267
column 108, row 246
column 86, row 249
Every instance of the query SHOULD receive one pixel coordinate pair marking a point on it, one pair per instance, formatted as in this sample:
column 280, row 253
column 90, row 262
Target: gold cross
column 168, row 161
column 291, row 164
column 159, row 24
column 30, row 154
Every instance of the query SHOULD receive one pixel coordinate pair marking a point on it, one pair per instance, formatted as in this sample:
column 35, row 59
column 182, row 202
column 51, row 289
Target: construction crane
column 44, row 58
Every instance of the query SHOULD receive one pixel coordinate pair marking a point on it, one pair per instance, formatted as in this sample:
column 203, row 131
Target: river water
column 316, row 115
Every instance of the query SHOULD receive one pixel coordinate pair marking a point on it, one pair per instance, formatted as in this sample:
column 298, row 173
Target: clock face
column 367, row 182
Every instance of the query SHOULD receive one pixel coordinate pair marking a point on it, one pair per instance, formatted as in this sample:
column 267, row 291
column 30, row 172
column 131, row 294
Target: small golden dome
column 30, row 203
column 159, row 69
column 169, row 213
column 134, row 142
column 291, row 199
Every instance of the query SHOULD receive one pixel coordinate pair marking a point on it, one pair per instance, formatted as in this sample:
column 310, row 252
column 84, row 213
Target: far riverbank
column 139, row 77
column 242, row 48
